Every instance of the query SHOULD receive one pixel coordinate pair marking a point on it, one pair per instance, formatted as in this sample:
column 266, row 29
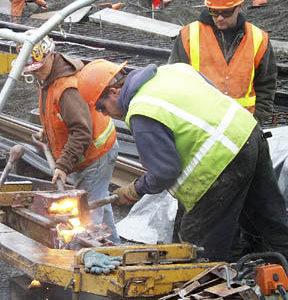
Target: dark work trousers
column 246, row 194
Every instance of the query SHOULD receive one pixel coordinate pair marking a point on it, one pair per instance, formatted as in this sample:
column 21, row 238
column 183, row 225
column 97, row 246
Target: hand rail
column 29, row 39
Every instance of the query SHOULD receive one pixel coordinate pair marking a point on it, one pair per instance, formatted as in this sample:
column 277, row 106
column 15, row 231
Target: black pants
column 245, row 195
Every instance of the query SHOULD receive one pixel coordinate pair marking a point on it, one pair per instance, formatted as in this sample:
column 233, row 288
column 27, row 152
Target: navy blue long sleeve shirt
column 154, row 141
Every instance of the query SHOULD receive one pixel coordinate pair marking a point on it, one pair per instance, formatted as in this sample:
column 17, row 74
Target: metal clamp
column 152, row 253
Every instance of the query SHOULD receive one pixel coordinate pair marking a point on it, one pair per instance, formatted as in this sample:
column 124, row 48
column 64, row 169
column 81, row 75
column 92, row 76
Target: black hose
column 281, row 258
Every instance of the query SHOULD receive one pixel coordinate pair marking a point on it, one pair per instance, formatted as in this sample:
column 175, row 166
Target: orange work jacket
column 235, row 78
column 104, row 133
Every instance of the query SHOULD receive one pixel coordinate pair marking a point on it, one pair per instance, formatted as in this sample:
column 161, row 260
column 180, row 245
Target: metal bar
column 98, row 42
column 126, row 170
column 32, row 225
column 31, row 39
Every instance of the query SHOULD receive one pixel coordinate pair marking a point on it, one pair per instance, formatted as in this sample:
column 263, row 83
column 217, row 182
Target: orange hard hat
column 95, row 77
column 222, row 4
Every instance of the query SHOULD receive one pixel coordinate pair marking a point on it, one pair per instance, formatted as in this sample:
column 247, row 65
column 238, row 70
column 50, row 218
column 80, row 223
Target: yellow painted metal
column 57, row 267
column 16, row 186
column 144, row 281
column 135, row 254
column 7, row 198
column 5, row 62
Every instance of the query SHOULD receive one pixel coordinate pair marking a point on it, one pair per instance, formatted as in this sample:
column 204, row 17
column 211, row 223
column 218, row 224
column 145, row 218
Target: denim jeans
column 95, row 180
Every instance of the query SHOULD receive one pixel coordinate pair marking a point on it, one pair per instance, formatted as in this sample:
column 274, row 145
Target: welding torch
column 113, row 199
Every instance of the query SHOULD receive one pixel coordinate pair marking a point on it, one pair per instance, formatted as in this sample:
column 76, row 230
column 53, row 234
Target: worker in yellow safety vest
column 82, row 141
column 198, row 143
column 232, row 53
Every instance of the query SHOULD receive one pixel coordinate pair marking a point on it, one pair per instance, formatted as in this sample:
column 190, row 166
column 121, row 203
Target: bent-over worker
column 82, row 140
column 201, row 145
column 231, row 52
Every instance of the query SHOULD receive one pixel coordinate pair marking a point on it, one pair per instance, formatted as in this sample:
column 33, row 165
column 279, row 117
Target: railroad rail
column 20, row 131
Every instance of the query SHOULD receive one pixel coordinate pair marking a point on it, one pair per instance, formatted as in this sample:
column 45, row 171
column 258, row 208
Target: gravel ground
column 272, row 18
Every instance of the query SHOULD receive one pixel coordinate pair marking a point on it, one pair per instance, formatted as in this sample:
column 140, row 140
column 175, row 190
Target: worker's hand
column 41, row 3
column 41, row 135
column 127, row 194
column 59, row 174
column 97, row 263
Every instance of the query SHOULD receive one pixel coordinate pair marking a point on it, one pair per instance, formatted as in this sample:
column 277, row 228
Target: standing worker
column 201, row 145
column 17, row 6
column 231, row 52
column 81, row 140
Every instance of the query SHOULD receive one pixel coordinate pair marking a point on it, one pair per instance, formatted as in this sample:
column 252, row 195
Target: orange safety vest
column 17, row 7
column 104, row 133
column 236, row 78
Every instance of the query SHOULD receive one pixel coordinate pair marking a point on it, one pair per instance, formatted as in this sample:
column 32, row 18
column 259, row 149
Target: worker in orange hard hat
column 231, row 52
column 256, row 3
column 17, row 6
column 200, row 145
column 82, row 141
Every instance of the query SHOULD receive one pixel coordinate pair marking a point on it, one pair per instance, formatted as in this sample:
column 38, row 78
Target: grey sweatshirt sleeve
column 158, row 154
column 178, row 53
column 76, row 115
column 265, row 85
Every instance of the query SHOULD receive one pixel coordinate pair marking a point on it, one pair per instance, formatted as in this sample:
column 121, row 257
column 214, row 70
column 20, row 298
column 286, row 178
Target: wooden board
column 124, row 19
column 75, row 17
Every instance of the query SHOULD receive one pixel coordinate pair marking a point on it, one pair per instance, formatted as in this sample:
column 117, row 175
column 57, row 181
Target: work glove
column 127, row 194
column 97, row 263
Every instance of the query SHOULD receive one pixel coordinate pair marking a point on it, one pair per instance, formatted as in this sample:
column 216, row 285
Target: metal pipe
column 11, row 35
column 32, row 38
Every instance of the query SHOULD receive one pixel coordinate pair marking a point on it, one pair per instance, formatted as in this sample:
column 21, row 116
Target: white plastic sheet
column 278, row 145
column 151, row 220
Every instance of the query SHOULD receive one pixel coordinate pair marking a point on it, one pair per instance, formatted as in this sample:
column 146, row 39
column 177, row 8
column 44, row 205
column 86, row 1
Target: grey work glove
column 97, row 263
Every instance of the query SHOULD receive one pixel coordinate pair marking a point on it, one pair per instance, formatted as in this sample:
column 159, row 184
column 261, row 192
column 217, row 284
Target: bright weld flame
column 67, row 234
column 68, row 205
column 34, row 283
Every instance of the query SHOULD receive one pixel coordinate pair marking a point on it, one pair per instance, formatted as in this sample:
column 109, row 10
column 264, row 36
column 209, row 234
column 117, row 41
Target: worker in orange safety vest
column 232, row 53
column 82, row 141
column 17, row 6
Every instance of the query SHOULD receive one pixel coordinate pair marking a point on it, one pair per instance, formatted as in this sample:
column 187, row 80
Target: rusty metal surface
column 34, row 226
column 221, row 290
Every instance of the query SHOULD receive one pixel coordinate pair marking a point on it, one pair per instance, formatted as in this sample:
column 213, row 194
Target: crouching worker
column 82, row 140
column 201, row 145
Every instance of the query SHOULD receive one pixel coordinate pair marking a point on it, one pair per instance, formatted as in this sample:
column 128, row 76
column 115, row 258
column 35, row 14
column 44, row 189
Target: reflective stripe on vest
column 102, row 138
column 209, row 128
column 249, row 99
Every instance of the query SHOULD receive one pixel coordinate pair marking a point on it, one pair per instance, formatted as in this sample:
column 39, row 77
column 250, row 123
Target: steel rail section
column 96, row 42
column 126, row 170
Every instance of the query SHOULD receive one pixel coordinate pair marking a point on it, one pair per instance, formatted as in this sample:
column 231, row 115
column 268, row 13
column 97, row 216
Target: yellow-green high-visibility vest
column 209, row 128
